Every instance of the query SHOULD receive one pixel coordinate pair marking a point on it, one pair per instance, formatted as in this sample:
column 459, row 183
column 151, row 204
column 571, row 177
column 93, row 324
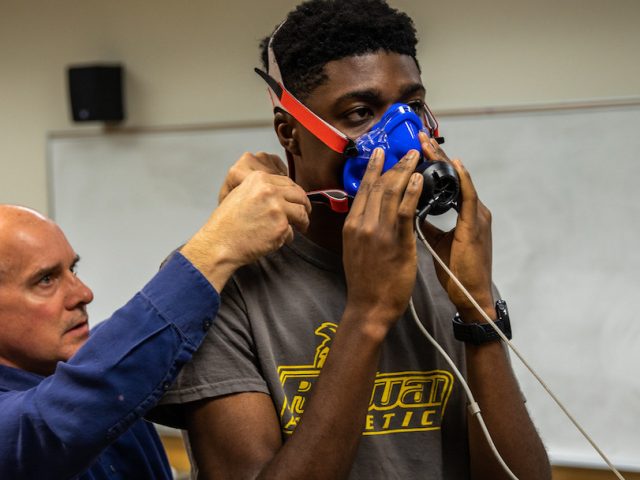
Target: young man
column 71, row 402
column 314, row 368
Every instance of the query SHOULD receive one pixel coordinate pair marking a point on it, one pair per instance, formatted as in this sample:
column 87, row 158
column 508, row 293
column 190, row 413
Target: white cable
column 474, row 408
column 516, row 351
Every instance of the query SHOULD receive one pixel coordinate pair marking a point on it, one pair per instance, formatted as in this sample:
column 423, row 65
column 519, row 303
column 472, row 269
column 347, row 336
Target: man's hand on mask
column 247, row 163
column 255, row 218
column 379, row 248
column 466, row 249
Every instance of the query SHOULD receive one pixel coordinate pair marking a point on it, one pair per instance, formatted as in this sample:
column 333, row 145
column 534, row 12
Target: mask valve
column 440, row 188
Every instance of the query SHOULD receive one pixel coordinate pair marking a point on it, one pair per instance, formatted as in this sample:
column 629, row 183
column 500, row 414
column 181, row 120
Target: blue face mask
column 396, row 133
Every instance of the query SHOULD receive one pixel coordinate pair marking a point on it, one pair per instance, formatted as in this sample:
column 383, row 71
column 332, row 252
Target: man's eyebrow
column 373, row 95
column 413, row 89
column 41, row 272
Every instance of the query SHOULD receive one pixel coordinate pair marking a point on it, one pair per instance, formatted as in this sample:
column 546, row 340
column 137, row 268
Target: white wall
column 191, row 62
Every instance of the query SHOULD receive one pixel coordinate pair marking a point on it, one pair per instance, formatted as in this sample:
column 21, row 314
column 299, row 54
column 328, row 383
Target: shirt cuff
column 181, row 293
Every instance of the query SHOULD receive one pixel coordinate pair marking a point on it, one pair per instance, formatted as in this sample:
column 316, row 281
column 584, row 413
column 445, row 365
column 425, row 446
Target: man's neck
column 325, row 229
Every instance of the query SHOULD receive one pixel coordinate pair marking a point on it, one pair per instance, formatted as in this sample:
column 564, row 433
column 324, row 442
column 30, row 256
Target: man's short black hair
column 319, row 31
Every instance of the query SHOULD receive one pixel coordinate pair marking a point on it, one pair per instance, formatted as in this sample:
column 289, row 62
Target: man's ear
column 287, row 129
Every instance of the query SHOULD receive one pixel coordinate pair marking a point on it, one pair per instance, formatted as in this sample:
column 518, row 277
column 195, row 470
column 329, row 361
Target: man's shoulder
column 264, row 269
column 290, row 265
column 14, row 380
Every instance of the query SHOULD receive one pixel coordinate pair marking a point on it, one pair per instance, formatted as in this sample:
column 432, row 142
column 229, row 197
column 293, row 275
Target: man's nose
column 79, row 293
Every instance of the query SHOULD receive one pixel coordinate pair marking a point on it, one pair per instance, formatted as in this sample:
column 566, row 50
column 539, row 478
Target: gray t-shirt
column 274, row 329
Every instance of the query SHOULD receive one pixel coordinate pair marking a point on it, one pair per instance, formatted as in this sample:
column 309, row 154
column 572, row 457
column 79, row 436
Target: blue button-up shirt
column 85, row 420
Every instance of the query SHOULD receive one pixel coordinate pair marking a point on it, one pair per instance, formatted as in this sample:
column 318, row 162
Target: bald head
column 17, row 213
column 15, row 221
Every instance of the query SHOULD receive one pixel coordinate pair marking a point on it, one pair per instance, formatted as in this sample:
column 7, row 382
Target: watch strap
column 479, row 333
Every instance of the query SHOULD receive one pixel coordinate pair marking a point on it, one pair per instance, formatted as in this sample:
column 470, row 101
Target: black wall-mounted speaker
column 96, row 93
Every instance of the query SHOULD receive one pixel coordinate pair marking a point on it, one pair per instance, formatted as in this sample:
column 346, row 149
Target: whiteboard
column 126, row 200
column 562, row 189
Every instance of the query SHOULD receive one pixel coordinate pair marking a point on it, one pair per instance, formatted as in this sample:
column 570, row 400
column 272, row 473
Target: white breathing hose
column 473, row 406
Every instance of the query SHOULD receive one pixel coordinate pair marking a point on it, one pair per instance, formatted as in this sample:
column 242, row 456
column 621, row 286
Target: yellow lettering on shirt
column 406, row 401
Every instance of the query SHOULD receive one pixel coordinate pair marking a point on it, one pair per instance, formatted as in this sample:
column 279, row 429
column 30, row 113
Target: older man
column 71, row 400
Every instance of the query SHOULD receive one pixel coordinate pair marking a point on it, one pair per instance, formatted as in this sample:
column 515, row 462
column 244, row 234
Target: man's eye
column 359, row 115
column 46, row 280
column 418, row 107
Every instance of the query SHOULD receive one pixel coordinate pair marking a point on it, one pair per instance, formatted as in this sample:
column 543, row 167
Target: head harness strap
column 282, row 98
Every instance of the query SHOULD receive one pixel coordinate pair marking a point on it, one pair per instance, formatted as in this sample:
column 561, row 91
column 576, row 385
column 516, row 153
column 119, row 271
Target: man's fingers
column 270, row 163
column 408, row 205
column 295, row 194
column 394, row 184
column 431, row 149
column 469, row 204
column 371, row 175
column 290, row 191
column 297, row 216
column 469, row 196
column 277, row 180
column 289, row 236
column 247, row 164
column 286, row 187
column 261, row 162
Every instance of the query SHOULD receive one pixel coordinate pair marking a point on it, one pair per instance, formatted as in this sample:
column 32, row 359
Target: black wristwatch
column 479, row 333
